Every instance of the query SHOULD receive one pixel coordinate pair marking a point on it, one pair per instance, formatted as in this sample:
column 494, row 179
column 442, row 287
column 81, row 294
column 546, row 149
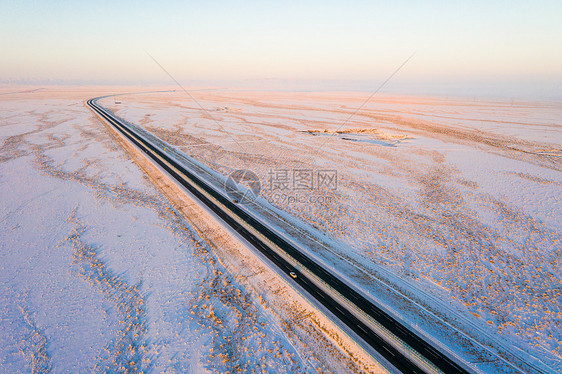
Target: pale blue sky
column 339, row 41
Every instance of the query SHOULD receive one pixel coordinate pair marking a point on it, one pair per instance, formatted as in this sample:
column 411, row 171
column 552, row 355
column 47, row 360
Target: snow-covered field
column 456, row 203
column 101, row 273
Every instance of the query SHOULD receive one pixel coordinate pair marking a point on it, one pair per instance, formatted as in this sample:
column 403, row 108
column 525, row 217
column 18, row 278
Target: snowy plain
column 455, row 201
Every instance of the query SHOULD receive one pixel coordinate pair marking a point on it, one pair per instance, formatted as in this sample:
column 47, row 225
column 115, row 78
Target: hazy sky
column 105, row 41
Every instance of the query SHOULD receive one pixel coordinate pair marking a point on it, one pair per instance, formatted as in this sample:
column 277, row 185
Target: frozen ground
column 456, row 201
column 100, row 273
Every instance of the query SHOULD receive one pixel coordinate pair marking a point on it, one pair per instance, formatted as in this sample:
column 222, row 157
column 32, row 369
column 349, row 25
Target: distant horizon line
column 498, row 89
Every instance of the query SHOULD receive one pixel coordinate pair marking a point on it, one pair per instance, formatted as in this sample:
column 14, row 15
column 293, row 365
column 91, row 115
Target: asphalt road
column 398, row 344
